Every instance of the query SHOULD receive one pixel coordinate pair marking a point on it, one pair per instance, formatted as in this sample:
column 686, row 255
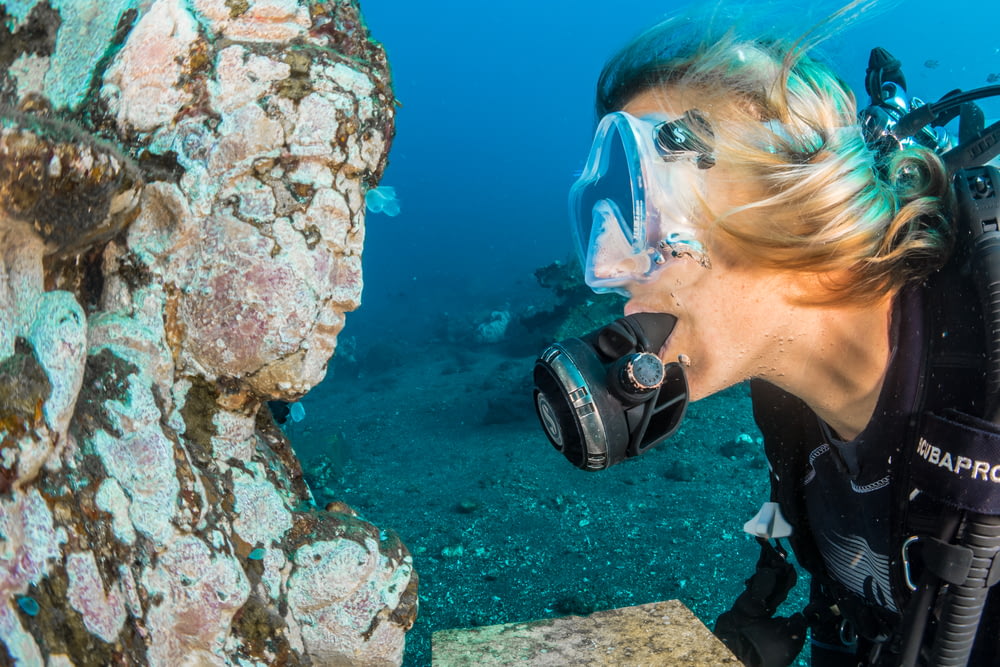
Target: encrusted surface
column 75, row 191
column 181, row 223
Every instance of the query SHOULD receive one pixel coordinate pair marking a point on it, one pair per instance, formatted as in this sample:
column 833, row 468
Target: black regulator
column 606, row 396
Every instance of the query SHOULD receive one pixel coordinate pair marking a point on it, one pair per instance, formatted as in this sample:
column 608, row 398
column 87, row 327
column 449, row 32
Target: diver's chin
column 633, row 308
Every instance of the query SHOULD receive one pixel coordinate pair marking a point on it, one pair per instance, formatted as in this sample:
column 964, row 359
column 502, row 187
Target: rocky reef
column 182, row 201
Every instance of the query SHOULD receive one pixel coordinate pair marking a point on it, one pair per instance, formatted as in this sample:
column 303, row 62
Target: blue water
column 496, row 117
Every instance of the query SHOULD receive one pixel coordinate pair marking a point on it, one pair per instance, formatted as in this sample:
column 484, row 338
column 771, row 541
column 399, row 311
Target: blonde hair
column 822, row 202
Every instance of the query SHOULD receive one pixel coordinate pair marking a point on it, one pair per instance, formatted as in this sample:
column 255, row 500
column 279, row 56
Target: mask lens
column 612, row 258
column 638, row 196
column 608, row 208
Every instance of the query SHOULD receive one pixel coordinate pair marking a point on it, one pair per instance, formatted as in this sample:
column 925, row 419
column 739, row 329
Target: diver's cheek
column 653, row 302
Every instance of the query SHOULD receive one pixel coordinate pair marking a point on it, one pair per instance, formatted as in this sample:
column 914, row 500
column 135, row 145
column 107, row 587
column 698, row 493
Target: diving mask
column 634, row 205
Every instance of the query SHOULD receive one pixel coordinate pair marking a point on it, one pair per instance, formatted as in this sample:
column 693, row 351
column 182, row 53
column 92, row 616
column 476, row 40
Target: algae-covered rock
column 182, row 191
column 577, row 310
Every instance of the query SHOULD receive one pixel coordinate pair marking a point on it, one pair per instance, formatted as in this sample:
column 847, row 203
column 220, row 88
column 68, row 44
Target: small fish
column 257, row 554
column 993, row 77
column 931, row 64
column 28, row 605
column 297, row 412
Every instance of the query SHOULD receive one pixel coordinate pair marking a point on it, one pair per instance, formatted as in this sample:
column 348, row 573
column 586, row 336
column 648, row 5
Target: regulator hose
column 978, row 193
column 963, row 604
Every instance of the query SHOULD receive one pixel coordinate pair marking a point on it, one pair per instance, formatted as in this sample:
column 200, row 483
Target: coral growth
column 181, row 223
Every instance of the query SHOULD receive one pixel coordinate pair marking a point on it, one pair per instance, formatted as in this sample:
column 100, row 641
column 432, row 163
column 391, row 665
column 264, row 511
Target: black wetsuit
column 848, row 494
column 851, row 503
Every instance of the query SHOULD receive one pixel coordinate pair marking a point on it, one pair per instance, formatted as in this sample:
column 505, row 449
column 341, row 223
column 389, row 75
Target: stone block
column 650, row 635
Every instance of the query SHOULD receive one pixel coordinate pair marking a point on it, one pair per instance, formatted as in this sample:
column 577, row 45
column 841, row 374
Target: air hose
column 964, row 603
column 978, row 193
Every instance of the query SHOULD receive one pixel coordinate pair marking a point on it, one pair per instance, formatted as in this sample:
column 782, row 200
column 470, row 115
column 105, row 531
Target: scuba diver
column 847, row 263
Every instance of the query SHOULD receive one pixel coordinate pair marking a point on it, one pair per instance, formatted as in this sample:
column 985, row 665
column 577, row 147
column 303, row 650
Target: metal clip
column 848, row 635
column 905, row 549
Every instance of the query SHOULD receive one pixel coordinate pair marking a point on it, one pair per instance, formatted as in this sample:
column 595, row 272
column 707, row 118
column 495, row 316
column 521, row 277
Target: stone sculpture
column 182, row 190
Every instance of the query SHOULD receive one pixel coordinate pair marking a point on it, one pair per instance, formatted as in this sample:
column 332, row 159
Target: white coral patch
column 371, row 151
column 397, row 583
column 262, row 21
column 317, row 124
column 336, row 590
column 59, row 337
column 338, row 78
column 328, row 572
column 85, row 30
column 199, row 592
column 166, row 233
column 246, row 135
column 274, row 563
column 112, row 500
column 234, row 437
column 346, row 292
column 29, row 541
column 131, row 591
column 28, row 71
column 143, row 464
column 255, row 201
column 243, row 78
column 141, row 86
column 261, row 516
column 18, row 642
column 329, row 212
column 313, row 172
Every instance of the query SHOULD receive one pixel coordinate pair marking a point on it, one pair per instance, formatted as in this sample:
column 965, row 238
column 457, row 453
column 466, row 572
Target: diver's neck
column 839, row 373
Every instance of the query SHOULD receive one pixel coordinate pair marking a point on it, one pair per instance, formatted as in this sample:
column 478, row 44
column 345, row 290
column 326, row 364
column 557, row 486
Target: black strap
column 957, row 461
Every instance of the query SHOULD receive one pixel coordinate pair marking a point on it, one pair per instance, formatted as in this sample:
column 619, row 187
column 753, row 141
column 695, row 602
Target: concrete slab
column 650, row 635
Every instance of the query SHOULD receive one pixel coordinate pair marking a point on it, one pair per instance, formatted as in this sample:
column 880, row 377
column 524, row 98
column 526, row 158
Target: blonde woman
column 733, row 187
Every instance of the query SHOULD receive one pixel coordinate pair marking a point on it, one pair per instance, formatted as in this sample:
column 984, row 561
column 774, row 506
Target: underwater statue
column 182, row 200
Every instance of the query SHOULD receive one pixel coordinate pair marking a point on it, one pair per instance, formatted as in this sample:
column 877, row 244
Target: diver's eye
column 685, row 137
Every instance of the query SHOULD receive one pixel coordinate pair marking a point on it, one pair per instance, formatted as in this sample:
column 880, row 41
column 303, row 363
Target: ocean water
column 426, row 426
column 497, row 117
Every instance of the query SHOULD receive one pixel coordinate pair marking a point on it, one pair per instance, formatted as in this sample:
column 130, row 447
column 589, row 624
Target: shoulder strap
column 955, row 457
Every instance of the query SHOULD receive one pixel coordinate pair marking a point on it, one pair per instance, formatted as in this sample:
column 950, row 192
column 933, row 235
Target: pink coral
column 103, row 611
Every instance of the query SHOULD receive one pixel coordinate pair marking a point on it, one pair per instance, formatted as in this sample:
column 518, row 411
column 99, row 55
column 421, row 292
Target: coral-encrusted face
column 258, row 235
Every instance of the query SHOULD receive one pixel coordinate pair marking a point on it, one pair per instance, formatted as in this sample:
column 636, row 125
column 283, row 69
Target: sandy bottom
column 443, row 447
